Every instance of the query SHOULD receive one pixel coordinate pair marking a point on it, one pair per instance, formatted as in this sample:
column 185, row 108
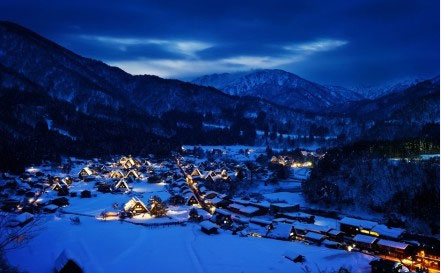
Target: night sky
column 331, row 42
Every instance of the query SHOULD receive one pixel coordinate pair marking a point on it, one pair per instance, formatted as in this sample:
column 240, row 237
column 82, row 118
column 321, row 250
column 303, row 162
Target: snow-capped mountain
column 376, row 91
column 279, row 86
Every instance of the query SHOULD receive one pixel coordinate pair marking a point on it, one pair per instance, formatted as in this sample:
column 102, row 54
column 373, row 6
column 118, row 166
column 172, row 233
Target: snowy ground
column 123, row 247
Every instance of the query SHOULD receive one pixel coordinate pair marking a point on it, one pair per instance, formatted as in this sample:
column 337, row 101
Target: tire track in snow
column 189, row 243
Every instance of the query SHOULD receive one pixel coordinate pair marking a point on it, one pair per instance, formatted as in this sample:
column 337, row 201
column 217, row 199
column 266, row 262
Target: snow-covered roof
column 260, row 221
column 235, row 206
column 334, row 232
column 255, row 228
column 87, row 170
column 120, row 183
column 214, row 201
column 314, row 236
column 63, row 258
column 249, row 209
column 132, row 202
column 208, row 225
column 296, row 215
column 223, row 212
column 310, row 227
column 280, row 231
column 360, row 238
column 388, row 232
column 283, row 205
column 330, row 243
column 240, row 201
column 358, row 222
column 392, row 244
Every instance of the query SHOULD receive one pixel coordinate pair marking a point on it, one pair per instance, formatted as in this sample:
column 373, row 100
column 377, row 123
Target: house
column 133, row 174
column 248, row 211
column 191, row 199
column 84, row 173
column 385, row 266
column 331, row 244
column 386, row 232
column 256, row 230
column 222, row 218
column 122, row 185
column 298, row 216
column 335, row 235
column 210, row 194
column 260, row 222
column 127, row 162
column 208, row 227
column 352, row 226
column 135, row 206
column 276, row 208
column 66, row 263
column 395, row 249
column 314, row 237
column 176, row 200
column 196, row 174
column 217, row 202
column 209, row 176
column 66, row 180
column 302, row 228
column 364, row 241
column 116, row 174
column 56, row 186
column 281, row 231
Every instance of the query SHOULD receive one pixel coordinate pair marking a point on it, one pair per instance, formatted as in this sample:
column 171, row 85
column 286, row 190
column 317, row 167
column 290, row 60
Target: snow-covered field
column 111, row 246
column 171, row 244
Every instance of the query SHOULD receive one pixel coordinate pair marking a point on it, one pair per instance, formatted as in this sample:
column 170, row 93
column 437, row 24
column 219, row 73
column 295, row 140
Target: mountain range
column 291, row 90
column 55, row 101
column 280, row 87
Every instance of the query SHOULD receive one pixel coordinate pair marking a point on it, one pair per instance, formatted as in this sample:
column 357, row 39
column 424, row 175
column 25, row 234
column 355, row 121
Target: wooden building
column 276, row 208
column 208, row 227
column 281, row 231
column 85, row 173
column 122, row 185
column 352, row 226
column 135, row 206
column 364, row 242
column 395, row 249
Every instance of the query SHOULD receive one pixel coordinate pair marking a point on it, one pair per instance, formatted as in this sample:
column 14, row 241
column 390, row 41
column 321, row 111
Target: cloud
column 316, row 46
column 400, row 36
column 191, row 67
column 185, row 47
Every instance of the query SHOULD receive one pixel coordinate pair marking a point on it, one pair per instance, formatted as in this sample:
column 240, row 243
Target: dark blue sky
column 331, row 42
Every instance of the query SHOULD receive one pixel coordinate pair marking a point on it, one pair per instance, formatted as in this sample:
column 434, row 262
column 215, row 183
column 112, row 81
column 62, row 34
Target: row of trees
column 364, row 175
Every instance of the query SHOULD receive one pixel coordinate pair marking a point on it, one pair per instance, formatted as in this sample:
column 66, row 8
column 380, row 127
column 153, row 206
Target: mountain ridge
column 280, row 87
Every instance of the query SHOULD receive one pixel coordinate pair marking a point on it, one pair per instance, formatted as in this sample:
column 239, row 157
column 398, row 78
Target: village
column 239, row 192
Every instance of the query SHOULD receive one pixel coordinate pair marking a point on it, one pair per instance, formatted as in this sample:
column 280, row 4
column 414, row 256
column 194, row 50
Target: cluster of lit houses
column 284, row 221
column 288, row 161
column 189, row 186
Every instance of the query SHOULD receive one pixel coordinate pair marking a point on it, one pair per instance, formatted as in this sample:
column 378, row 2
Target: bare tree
column 13, row 234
